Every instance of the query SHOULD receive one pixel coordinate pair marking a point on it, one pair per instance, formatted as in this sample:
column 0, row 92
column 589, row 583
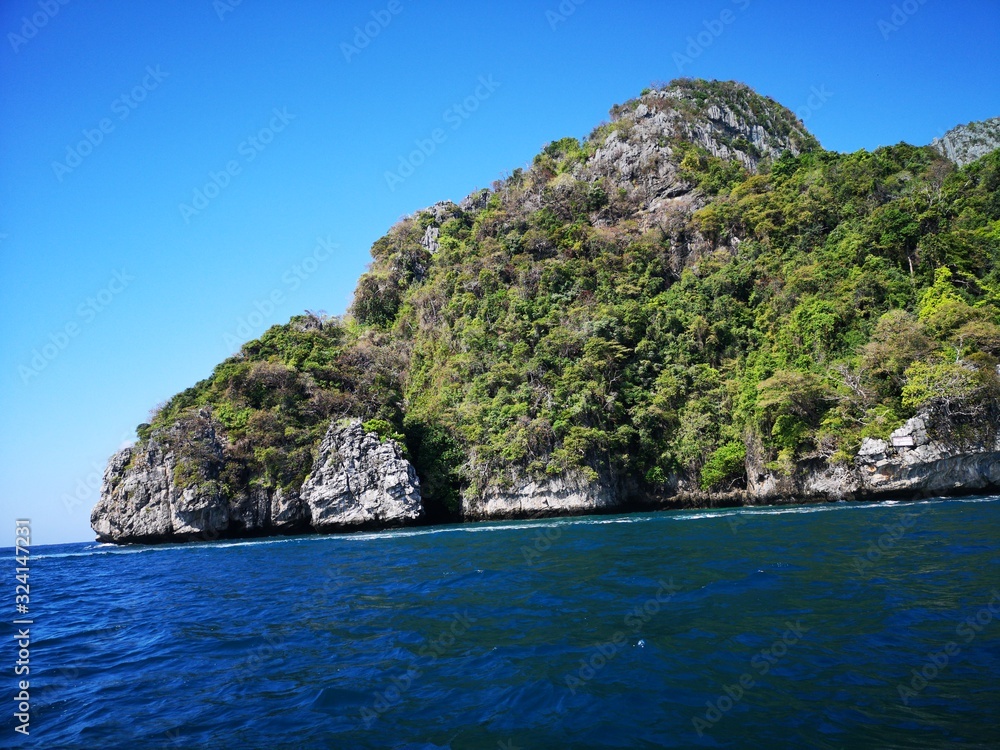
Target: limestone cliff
column 966, row 143
column 167, row 489
column 911, row 463
column 566, row 495
column 359, row 480
column 728, row 120
column 695, row 304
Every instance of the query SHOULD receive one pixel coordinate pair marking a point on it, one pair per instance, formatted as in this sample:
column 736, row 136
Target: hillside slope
column 695, row 299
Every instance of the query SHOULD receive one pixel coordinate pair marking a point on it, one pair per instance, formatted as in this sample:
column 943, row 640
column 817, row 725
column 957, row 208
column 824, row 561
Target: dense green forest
column 787, row 307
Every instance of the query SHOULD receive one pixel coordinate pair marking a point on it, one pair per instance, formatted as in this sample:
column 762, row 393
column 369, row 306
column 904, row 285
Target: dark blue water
column 756, row 628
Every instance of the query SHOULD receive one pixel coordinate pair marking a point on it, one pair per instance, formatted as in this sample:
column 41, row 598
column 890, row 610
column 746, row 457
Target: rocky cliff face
column 566, row 495
column 910, row 464
column 166, row 490
column 514, row 337
column 966, row 143
column 912, row 461
column 640, row 153
column 147, row 496
column 729, row 120
column 358, row 480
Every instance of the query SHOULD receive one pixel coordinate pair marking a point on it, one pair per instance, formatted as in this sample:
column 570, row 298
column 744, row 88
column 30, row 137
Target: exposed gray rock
column 358, row 480
column 134, row 501
column 915, row 429
column 166, row 489
column 962, row 472
column 917, row 465
column 475, row 201
column 911, row 461
column 286, row 511
column 153, row 492
column 638, row 155
column 147, row 496
column 872, row 449
column 831, row 482
column 728, row 127
column 966, row 143
column 430, row 239
column 569, row 494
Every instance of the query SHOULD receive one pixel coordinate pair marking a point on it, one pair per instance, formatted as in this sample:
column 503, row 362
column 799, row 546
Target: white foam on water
column 129, row 549
column 475, row 528
column 94, row 553
column 985, row 499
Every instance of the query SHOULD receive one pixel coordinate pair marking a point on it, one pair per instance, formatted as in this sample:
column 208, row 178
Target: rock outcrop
column 910, row 463
column 966, row 143
column 154, row 493
column 358, row 480
column 557, row 496
column 732, row 123
column 151, row 493
column 167, row 489
column 521, row 328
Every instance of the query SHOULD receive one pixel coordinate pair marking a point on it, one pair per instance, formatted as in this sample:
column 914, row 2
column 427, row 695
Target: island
column 695, row 305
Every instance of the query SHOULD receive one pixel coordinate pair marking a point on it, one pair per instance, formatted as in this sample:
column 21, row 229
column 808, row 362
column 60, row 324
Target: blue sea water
column 790, row 627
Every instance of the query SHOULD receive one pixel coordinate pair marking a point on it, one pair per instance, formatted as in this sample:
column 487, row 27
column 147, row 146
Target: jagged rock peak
column 728, row 119
column 966, row 143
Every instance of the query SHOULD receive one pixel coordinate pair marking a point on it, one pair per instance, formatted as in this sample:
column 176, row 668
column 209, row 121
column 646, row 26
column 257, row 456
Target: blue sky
column 173, row 176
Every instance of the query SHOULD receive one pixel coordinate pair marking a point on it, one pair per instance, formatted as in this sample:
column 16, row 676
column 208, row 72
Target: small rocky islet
column 696, row 305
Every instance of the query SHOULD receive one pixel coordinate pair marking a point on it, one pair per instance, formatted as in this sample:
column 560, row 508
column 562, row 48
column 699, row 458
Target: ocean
column 845, row 625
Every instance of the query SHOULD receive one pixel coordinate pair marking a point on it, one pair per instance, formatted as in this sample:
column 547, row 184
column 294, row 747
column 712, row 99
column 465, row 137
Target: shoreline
column 677, row 502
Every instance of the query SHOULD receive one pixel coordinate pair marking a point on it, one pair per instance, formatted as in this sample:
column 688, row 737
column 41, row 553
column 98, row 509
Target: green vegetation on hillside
column 824, row 299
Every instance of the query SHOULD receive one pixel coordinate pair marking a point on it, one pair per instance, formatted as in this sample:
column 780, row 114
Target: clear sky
column 167, row 169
